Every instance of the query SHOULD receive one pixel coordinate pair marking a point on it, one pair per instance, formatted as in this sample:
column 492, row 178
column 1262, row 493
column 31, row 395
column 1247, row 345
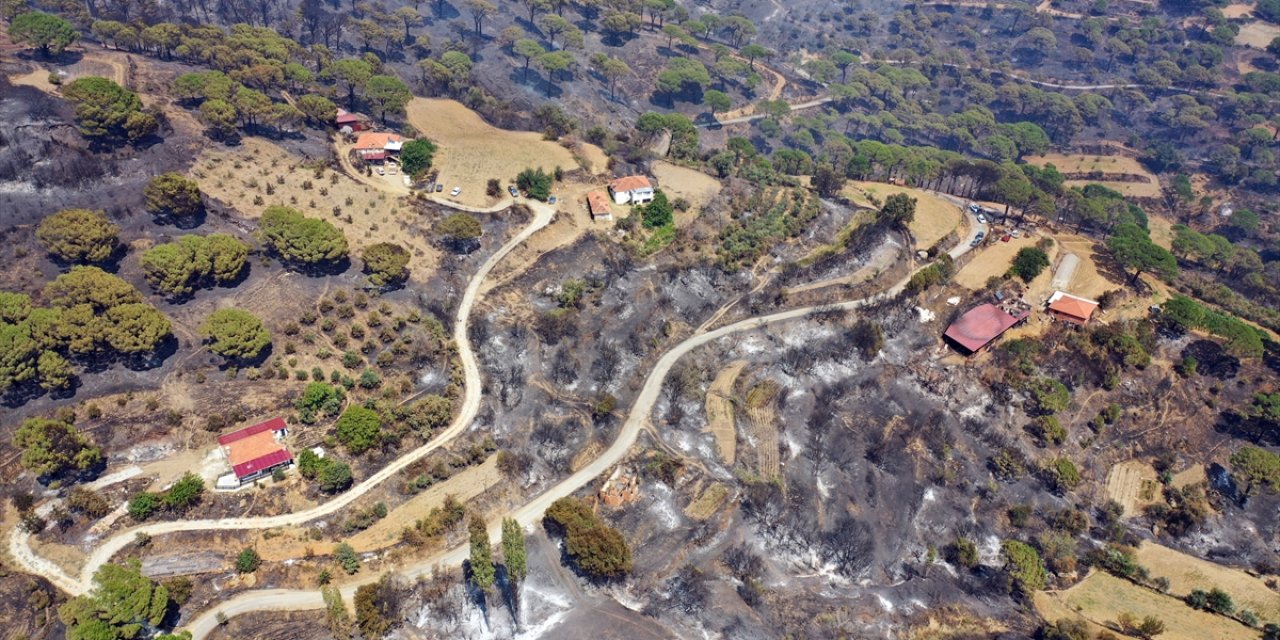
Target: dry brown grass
column 1134, row 484
column 1134, row 189
column 1101, row 598
column 764, row 422
column 1161, row 231
column 680, row 182
column 471, row 151
column 239, row 175
column 1149, row 187
column 1233, row 11
column 1087, row 281
column 1257, row 34
column 993, row 260
column 708, row 502
column 935, row 216
column 719, row 405
column 1187, row 573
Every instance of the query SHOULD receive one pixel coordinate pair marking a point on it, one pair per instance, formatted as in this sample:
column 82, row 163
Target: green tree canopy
column 415, row 156
column 105, row 111
column 1025, row 567
column 388, row 94
column 659, row 212
column 79, row 235
column 46, row 32
column 235, row 334
column 54, row 447
column 172, row 194
column 386, row 263
column 319, row 110
column 124, row 604
column 359, row 429
column 136, row 328
column 536, row 182
column 1029, row 263
column 513, row 550
column 177, row 268
column 319, row 398
column 899, row 209
column 90, row 286
column 335, row 477
column 351, row 74
column 459, row 231
column 482, row 570
column 596, row 548
column 302, row 240
column 1133, row 248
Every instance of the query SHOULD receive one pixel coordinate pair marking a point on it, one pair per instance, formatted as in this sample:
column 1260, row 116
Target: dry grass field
column 1149, row 187
column 1233, row 11
column 994, row 260
column 1161, row 231
column 1187, row 573
column 1257, row 34
column 1101, row 598
column 471, row 151
column 1134, row 484
column 1086, row 282
column 241, row 177
column 708, row 502
column 680, row 182
column 935, row 216
column 719, row 405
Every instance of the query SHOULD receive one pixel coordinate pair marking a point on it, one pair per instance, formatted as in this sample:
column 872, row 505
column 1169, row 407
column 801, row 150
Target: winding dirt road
column 531, row 512
column 19, row 544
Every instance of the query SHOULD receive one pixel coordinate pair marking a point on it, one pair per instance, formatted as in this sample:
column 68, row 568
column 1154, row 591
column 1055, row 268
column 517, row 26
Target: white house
column 631, row 190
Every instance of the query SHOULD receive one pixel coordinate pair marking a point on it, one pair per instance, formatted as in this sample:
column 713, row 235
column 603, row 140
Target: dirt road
column 19, row 546
column 529, row 514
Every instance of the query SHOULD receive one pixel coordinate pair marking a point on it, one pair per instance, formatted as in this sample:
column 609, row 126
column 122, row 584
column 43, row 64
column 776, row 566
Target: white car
column 381, row 171
column 455, row 191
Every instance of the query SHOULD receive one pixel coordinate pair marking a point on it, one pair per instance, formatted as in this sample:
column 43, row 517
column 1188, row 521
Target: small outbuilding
column 352, row 121
column 256, row 451
column 981, row 325
column 1071, row 309
column 631, row 190
column 598, row 204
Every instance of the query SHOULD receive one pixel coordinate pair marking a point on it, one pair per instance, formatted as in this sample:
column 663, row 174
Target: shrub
column 248, row 561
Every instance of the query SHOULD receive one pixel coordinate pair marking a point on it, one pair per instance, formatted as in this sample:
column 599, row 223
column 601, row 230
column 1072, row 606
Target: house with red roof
column 254, row 452
column 981, row 325
column 631, row 190
column 1071, row 309
column 378, row 146
column 598, row 204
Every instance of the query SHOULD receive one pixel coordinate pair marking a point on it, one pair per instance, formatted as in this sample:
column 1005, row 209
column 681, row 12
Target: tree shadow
column 1254, row 430
column 475, row 594
column 186, row 223
column 616, row 39
column 319, row 269
column 240, row 363
column 510, row 592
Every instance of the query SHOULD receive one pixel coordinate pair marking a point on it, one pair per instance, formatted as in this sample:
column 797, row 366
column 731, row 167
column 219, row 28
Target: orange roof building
column 631, row 190
column 256, row 451
column 376, row 145
column 598, row 204
column 1071, row 309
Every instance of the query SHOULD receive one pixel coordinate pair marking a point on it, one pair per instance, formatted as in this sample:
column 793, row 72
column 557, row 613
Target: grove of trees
column 309, row 243
column 176, row 269
column 80, row 236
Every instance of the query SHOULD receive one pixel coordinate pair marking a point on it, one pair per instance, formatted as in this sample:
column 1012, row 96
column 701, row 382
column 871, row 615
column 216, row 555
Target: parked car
column 974, row 208
column 551, row 199
column 381, row 171
column 439, row 187
column 982, row 219
column 511, row 189
column 455, row 191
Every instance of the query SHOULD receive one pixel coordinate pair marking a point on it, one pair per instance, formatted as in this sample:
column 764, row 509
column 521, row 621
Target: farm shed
column 979, row 326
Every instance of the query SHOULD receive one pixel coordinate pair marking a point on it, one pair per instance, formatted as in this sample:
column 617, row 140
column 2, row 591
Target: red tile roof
column 980, row 325
column 274, row 424
column 630, row 183
column 373, row 140
column 599, row 204
column 259, row 463
column 1075, row 307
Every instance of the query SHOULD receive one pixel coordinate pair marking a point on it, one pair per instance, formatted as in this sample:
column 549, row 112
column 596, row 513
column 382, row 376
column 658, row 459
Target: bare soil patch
column 719, row 405
column 1086, row 281
column 1101, row 598
column 1134, row 484
column 681, row 182
column 471, row 151
column 1187, row 573
column 1161, row 231
column 763, row 416
column 1144, row 184
column 935, row 216
column 1257, row 34
column 1134, row 189
column 1240, row 10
